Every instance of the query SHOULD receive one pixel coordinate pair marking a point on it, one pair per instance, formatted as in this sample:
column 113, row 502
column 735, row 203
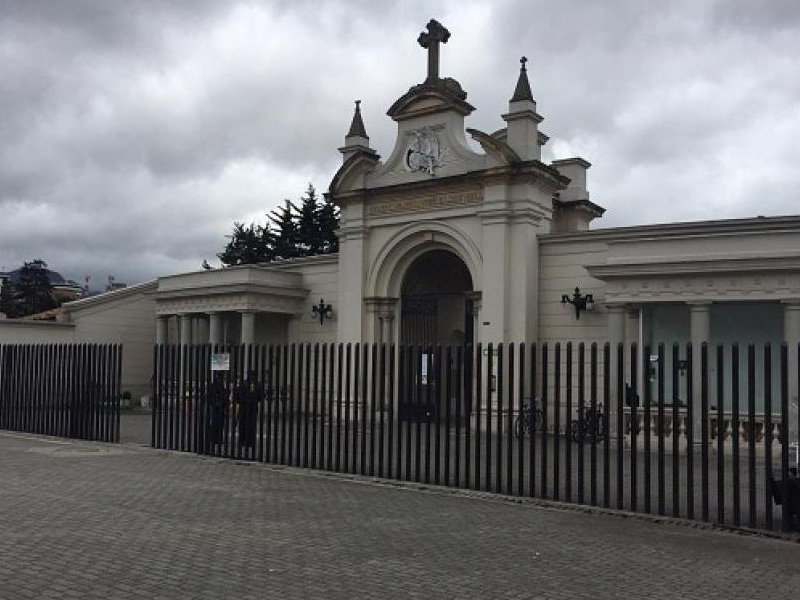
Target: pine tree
column 328, row 225
column 284, row 241
column 31, row 293
column 289, row 232
column 248, row 245
column 309, row 238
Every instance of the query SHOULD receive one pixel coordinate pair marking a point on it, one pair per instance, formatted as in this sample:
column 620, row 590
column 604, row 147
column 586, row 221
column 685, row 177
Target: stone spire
column 356, row 139
column 523, row 89
column 357, row 126
column 522, row 131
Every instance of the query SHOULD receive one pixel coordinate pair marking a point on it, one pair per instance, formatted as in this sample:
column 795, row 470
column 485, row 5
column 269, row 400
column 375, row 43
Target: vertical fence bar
column 676, row 430
column 340, row 359
column 689, row 433
column 429, row 413
column 662, row 429
column 347, row 388
column 647, row 427
column 461, row 389
column 735, row 427
column 405, row 392
column 720, row 434
column 751, row 431
column 478, row 403
column 498, row 469
column 545, row 424
column 704, row 428
column 490, row 379
column 768, row 435
column 364, row 401
column 557, row 421
column 601, row 420
column 390, row 449
column 381, row 394
column 306, row 379
column 568, row 425
column 587, row 427
column 532, row 366
column 442, row 378
column 509, row 427
column 520, row 414
column 373, row 405
column 448, row 391
column 786, row 517
column 620, row 399
column 635, row 429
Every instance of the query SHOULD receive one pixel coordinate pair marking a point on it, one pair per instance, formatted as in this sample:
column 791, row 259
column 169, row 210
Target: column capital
column 699, row 305
column 616, row 307
column 791, row 303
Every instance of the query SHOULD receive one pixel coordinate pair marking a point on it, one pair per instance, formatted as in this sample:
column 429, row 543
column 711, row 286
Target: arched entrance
column 436, row 309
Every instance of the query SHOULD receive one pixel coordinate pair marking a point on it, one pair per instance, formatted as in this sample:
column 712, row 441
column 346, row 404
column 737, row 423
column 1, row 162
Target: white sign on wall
column 221, row 362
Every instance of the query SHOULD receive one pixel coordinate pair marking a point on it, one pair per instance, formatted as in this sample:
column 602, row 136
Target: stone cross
column 430, row 40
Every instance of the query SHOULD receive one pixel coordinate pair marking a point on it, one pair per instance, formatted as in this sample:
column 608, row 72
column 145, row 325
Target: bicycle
column 588, row 422
column 530, row 419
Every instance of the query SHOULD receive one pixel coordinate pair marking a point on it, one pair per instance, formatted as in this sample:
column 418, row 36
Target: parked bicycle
column 588, row 422
column 530, row 418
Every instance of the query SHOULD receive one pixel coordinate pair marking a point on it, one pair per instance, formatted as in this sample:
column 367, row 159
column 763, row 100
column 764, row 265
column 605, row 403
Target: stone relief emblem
column 424, row 152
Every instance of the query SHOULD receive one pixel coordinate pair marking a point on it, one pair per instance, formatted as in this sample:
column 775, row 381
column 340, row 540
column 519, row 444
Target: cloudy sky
column 133, row 133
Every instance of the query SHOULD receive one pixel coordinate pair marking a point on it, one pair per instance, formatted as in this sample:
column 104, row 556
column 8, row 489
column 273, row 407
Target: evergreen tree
column 328, row 224
column 284, row 241
column 248, row 245
column 309, row 238
column 6, row 298
column 289, row 232
column 31, row 293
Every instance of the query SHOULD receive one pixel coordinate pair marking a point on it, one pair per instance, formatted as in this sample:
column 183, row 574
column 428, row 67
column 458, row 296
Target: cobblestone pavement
column 88, row 520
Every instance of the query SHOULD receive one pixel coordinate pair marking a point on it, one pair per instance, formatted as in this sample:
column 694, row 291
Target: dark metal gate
column 66, row 390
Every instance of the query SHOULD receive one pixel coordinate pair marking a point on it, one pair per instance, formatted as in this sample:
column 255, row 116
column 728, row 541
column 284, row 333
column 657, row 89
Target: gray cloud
column 134, row 134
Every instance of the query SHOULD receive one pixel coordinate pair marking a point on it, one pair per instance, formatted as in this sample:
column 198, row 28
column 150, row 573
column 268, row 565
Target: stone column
column 700, row 331
column 215, row 329
column 791, row 335
column 186, row 329
column 615, row 334
column 248, row 327
column 162, row 328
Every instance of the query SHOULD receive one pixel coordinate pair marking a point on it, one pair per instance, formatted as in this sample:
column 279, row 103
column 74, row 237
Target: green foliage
column 31, row 294
column 291, row 231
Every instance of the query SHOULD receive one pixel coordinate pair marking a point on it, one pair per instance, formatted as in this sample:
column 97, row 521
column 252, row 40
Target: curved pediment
column 497, row 149
column 351, row 174
column 430, row 98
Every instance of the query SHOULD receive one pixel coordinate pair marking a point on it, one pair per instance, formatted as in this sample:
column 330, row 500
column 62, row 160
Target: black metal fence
column 66, row 390
column 654, row 430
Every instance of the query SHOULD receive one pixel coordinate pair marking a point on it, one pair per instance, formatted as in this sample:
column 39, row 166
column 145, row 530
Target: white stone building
column 444, row 243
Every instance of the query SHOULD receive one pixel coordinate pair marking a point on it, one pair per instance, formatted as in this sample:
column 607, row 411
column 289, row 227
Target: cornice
column 694, row 267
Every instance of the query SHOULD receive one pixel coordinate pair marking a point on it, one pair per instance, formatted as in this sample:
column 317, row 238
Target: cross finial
column 522, row 61
column 430, row 40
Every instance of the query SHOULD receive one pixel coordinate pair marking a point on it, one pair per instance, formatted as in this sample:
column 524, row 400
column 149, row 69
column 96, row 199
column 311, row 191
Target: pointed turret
column 357, row 125
column 356, row 139
column 522, row 133
column 523, row 89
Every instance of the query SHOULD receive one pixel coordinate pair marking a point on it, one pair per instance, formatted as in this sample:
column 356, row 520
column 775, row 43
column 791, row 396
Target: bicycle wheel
column 519, row 426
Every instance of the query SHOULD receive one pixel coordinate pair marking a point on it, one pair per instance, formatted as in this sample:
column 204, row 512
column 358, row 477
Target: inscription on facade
column 426, row 203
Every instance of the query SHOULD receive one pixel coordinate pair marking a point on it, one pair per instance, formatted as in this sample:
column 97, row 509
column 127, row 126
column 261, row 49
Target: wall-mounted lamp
column 579, row 301
column 322, row 310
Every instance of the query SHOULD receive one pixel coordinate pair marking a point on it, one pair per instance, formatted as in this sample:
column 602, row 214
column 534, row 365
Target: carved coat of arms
column 424, row 152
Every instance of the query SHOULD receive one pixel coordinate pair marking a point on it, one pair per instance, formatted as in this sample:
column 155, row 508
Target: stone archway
column 435, row 301
column 435, row 310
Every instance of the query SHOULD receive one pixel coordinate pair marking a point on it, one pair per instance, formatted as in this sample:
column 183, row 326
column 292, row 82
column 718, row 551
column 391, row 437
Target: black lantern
column 322, row 310
column 579, row 301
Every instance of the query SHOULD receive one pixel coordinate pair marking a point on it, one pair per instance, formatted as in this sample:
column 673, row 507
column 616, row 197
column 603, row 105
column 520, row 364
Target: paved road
column 90, row 520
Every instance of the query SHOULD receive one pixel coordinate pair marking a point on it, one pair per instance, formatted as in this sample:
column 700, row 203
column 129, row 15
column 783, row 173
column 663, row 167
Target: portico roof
column 257, row 288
